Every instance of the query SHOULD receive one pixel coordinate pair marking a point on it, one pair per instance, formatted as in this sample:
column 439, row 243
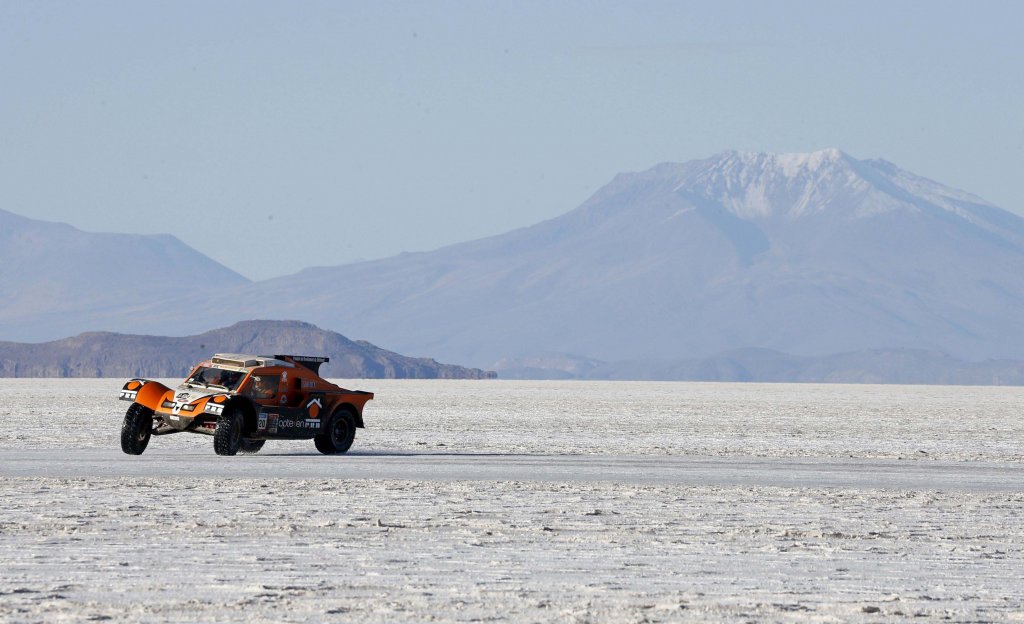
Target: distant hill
column 56, row 280
column 101, row 354
column 898, row 366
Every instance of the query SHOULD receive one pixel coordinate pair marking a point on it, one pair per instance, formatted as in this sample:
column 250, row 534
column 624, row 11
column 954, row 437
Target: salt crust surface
column 260, row 549
column 607, row 418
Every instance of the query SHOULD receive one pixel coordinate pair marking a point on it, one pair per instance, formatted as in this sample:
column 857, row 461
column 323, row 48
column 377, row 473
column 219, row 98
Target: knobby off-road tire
column 227, row 437
column 251, row 447
column 339, row 434
column 136, row 429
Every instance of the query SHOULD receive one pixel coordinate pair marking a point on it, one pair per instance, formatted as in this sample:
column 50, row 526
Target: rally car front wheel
column 136, row 429
column 339, row 434
column 227, row 437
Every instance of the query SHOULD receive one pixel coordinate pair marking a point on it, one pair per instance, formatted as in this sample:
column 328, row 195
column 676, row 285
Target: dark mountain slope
column 101, row 354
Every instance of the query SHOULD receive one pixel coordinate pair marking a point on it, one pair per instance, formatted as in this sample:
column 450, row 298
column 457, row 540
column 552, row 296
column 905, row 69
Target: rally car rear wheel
column 340, row 433
column 136, row 429
column 251, row 446
column 227, row 437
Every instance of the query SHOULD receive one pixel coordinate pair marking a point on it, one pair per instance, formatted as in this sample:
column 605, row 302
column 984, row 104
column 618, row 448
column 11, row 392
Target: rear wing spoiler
column 312, row 362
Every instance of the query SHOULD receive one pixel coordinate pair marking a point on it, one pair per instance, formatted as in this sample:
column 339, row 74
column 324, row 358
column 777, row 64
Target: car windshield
column 210, row 377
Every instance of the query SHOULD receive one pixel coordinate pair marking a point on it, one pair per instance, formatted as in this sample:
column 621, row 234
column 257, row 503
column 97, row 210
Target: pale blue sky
column 274, row 136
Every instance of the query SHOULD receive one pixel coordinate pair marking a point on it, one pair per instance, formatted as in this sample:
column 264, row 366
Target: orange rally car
column 244, row 400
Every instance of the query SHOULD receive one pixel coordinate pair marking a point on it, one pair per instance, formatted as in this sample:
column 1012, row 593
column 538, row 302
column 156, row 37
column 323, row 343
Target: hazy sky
column 274, row 136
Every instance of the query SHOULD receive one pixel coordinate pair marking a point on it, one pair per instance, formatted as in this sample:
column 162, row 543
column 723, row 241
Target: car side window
column 262, row 387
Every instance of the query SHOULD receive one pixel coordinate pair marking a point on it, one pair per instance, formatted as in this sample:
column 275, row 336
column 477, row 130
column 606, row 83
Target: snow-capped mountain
column 807, row 254
column 760, row 187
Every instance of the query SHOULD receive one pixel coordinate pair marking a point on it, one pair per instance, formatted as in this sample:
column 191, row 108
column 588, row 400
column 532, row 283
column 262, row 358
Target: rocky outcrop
column 104, row 354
